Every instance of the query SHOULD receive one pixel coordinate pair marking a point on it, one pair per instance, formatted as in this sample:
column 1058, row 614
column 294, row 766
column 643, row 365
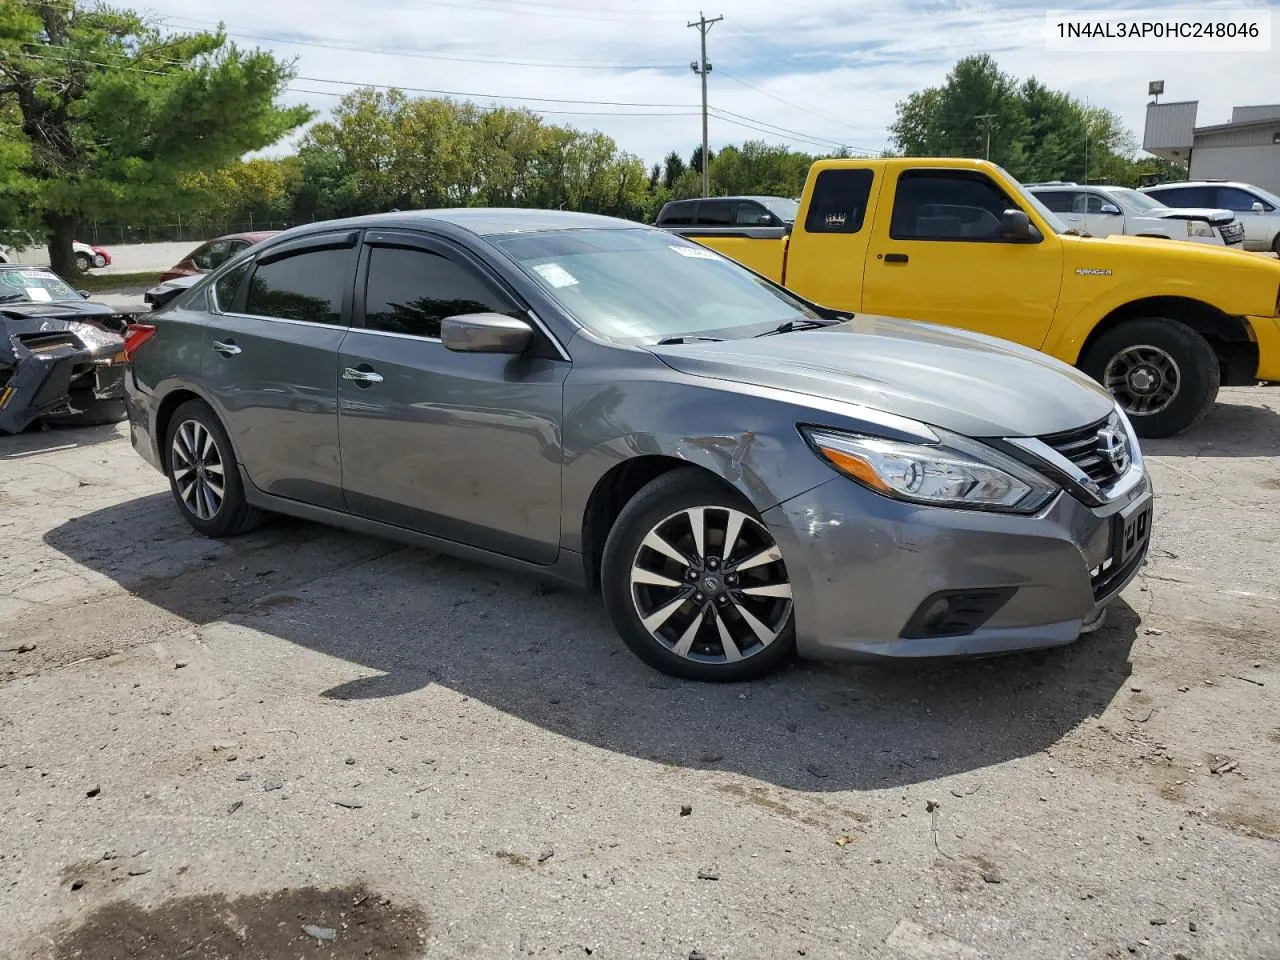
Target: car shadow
column 549, row 657
column 41, row 439
column 1228, row 430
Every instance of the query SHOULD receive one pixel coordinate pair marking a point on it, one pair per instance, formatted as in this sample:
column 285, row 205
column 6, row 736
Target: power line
column 329, row 43
column 793, row 104
column 523, row 10
column 559, row 113
column 492, row 96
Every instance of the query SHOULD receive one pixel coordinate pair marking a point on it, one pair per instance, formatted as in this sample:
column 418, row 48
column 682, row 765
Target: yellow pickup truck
column 1162, row 324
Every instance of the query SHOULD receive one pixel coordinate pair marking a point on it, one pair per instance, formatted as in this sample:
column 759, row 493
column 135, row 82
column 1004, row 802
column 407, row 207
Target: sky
column 814, row 74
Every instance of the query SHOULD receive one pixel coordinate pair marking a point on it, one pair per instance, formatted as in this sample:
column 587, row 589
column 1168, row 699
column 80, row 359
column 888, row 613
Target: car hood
column 56, row 310
column 953, row 379
column 1192, row 213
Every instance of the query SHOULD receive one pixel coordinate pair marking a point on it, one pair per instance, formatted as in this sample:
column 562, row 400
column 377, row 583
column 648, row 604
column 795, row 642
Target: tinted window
column 677, row 215
column 307, row 286
column 1059, row 201
column 839, row 201
column 753, row 215
column 1241, row 201
column 1184, row 196
column 411, row 291
column 227, row 286
column 717, row 213
column 933, row 205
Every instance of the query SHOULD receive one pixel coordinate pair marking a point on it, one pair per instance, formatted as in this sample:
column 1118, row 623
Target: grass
column 107, row 282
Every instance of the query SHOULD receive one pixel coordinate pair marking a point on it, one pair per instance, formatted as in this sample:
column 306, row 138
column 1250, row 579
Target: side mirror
column 1110, row 209
column 83, row 293
column 1015, row 225
column 485, row 333
column 1257, row 207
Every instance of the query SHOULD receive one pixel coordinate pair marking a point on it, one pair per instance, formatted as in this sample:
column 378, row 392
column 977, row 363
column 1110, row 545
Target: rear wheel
column 695, row 584
column 83, row 262
column 1164, row 375
column 203, row 474
column 99, row 261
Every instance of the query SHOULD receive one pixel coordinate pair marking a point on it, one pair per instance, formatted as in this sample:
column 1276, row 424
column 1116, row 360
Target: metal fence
column 105, row 234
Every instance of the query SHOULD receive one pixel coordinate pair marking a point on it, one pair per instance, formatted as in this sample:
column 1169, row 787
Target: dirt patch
column 760, row 798
column 265, row 925
column 515, row 859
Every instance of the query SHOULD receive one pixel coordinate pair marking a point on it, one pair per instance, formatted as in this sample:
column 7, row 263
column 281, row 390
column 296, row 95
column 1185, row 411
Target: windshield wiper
column 667, row 341
column 10, row 297
column 792, row 325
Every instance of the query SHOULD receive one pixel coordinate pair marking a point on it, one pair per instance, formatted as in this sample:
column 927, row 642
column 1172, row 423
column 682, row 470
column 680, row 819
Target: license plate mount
column 1132, row 530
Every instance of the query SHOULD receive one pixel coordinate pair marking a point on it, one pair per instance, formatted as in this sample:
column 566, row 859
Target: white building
column 1246, row 149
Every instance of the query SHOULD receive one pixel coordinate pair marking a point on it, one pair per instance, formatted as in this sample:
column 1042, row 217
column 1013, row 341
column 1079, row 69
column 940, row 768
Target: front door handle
column 896, row 258
column 227, row 349
column 361, row 377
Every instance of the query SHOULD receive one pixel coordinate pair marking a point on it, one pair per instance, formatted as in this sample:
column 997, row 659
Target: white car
column 1103, row 210
column 1258, row 209
column 87, row 257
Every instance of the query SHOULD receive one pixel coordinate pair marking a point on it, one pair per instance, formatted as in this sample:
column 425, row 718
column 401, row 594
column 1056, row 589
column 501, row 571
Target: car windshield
column 785, row 210
column 35, row 285
column 639, row 286
column 1134, row 202
column 1025, row 195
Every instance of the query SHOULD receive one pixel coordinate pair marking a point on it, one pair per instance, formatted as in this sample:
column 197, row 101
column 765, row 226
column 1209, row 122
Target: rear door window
column 1059, row 201
column 306, row 286
column 1184, row 196
column 717, row 213
column 839, row 202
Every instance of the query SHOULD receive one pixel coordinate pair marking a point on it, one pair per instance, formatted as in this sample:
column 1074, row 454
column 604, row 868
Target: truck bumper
column 1266, row 332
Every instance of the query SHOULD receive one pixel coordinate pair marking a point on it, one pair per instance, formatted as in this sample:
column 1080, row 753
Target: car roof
column 256, row 236
column 737, row 196
column 1200, row 183
column 481, row 221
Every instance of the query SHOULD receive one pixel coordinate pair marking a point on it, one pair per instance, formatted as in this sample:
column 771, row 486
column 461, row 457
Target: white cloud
column 829, row 71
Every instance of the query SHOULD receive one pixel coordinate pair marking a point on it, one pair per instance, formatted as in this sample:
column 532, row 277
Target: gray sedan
column 741, row 474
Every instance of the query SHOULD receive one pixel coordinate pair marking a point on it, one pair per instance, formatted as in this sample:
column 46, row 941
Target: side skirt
column 567, row 568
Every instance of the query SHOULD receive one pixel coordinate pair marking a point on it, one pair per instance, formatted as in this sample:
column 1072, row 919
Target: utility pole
column 702, row 68
column 986, row 119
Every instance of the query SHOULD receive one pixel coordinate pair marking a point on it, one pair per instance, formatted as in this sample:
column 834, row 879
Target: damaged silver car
column 62, row 356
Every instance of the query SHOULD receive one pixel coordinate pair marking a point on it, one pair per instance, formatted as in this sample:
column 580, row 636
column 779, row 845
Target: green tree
column 114, row 114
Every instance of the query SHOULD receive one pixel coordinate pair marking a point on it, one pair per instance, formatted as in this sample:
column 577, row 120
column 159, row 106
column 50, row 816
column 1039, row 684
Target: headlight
column 1198, row 228
column 954, row 473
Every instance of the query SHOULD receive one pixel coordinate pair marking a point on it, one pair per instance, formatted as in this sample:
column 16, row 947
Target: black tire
column 660, row 502
column 1198, row 374
column 83, row 262
column 1275, row 245
column 233, row 515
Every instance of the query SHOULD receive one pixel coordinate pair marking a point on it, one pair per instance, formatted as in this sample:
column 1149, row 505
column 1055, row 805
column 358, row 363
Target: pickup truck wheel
column 1163, row 374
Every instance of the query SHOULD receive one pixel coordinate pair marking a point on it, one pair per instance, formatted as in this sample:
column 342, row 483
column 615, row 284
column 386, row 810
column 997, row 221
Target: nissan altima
column 741, row 474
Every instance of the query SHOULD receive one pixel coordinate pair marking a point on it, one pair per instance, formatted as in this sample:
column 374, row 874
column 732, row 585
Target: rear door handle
column 228, row 349
column 362, row 377
column 896, row 258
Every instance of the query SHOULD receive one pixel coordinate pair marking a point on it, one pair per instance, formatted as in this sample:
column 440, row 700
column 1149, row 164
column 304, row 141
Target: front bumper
column 1266, row 332
column 861, row 567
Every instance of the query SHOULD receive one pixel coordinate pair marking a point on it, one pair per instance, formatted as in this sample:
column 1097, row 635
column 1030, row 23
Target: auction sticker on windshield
column 556, row 275
column 696, row 253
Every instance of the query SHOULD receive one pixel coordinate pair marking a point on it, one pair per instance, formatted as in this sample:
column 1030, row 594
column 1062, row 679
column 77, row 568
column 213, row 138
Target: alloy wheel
column 709, row 585
column 1144, row 379
column 198, row 470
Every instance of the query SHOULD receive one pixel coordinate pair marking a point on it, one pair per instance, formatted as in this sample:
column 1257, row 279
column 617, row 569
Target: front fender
column 1100, row 277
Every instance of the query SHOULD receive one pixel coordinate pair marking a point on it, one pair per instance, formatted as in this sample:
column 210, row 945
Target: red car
column 211, row 255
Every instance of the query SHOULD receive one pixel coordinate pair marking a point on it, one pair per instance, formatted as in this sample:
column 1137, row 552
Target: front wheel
column 695, row 584
column 1164, row 375
column 203, row 474
column 99, row 261
column 83, row 262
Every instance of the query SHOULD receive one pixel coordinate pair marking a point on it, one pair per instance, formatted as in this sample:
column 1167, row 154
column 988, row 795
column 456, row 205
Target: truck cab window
column 717, row 213
column 677, row 214
column 947, row 205
column 839, row 201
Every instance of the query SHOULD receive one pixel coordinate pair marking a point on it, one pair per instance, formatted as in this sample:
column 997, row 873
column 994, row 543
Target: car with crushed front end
column 741, row 473
column 61, row 355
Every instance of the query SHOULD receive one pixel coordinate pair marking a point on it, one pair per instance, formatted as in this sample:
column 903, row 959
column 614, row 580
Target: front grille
column 1232, row 232
column 1081, row 448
